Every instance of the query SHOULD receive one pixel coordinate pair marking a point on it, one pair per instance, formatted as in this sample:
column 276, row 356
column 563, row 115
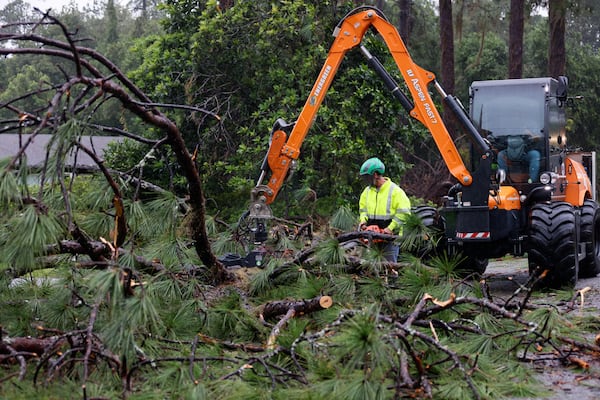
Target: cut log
column 276, row 308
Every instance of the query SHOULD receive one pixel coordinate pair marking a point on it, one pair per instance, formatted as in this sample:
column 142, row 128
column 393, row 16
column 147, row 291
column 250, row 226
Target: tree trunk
column 515, row 47
column 458, row 26
column 225, row 4
column 405, row 21
column 197, row 210
column 557, row 58
column 447, row 45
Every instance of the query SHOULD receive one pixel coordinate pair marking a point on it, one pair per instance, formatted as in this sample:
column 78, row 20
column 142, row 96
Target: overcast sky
column 53, row 4
column 44, row 4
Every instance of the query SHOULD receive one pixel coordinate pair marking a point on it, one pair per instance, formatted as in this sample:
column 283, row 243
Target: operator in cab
column 519, row 150
column 383, row 204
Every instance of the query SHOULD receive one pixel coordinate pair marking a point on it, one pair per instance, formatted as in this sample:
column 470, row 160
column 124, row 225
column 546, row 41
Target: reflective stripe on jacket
column 387, row 203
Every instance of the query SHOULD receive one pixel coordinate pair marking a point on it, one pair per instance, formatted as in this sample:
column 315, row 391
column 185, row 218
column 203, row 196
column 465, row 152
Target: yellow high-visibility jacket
column 386, row 206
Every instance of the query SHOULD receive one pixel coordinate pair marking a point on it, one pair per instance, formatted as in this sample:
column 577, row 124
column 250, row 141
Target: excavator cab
column 515, row 118
column 525, row 122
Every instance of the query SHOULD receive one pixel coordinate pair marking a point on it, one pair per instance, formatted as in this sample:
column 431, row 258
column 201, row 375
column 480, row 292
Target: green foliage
column 583, row 66
column 28, row 80
column 263, row 73
column 224, row 243
column 228, row 320
column 141, row 311
column 165, row 211
column 24, row 237
column 477, row 61
column 353, row 357
column 69, row 388
column 61, row 312
column 36, row 74
column 550, row 321
column 261, row 281
column 359, row 346
column 344, row 219
column 109, row 283
column 330, row 252
column 417, row 238
column 172, row 251
column 446, row 264
column 344, row 288
column 9, row 187
column 353, row 387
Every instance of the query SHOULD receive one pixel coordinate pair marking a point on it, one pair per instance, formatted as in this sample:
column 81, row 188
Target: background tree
column 582, row 23
column 557, row 57
column 447, row 45
column 233, row 150
column 515, row 52
column 405, row 20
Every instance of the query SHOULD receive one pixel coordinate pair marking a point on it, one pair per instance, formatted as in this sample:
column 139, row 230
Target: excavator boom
column 349, row 33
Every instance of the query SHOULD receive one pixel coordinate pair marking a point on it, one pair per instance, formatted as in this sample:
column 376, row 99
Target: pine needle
column 330, row 252
column 344, row 219
column 225, row 244
column 9, row 188
column 361, row 345
column 26, row 236
column 261, row 282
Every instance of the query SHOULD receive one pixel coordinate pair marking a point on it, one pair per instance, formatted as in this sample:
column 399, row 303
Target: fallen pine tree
column 432, row 336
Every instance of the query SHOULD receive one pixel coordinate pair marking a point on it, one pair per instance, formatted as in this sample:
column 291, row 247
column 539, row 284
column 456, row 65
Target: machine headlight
column 548, row 178
column 545, row 178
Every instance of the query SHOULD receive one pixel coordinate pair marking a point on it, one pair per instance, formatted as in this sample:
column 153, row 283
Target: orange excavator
column 493, row 209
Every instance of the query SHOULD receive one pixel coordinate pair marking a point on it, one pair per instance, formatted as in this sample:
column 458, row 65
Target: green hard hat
column 371, row 166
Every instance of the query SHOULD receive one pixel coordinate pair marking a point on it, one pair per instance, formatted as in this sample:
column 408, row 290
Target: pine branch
column 88, row 338
column 17, row 355
column 277, row 328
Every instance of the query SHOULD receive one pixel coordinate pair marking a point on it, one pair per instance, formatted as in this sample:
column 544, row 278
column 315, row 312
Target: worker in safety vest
column 382, row 203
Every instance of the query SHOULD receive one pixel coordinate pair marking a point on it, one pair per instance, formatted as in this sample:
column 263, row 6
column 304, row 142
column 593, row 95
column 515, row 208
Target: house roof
column 36, row 151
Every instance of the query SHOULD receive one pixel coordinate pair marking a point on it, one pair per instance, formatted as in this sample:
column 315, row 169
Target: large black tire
column 590, row 235
column 553, row 244
column 436, row 223
column 436, row 226
column 429, row 215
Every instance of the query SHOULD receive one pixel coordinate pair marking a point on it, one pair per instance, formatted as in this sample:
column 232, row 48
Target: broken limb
column 277, row 328
column 425, row 312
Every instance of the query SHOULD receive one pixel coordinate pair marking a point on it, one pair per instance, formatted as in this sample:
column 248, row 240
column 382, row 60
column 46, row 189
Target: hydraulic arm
column 286, row 139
